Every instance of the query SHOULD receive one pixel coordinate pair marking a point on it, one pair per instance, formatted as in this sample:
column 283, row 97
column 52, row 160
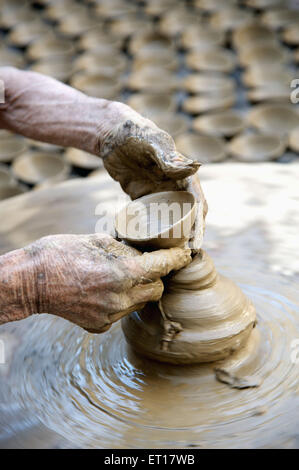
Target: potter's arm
column 138, row 154
column 91, row 280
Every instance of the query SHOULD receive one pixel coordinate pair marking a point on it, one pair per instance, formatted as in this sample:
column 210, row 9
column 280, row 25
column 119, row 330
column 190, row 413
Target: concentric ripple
column 93, row 391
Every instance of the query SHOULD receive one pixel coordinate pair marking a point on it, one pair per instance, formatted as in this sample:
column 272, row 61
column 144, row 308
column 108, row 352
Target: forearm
column 42, row 108
column 18, row 298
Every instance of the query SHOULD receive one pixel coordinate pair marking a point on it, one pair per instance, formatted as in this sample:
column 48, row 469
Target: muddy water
column 62, row 387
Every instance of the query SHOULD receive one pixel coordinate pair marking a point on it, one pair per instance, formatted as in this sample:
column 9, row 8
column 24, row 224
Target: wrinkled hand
column 93, row 280
column 143, row 159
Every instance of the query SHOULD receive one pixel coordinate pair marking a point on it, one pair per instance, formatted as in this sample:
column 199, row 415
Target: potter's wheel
column 93, row 391
column 62, row 387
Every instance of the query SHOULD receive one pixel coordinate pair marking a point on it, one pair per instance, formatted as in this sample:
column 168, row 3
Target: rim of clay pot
column 251, row 33
column 165, row 237
column 58, row 9
column 202, row 148
column 224, row 123
column 257, row 147
column 230, row 18
column 6, row 177
column 294, row 140
column 173, row 124
column 273, row 118
column 92, row 62
column 153, row 79
column 99, row 40
column 152, row 41
column 211, row 60
column 260, row 75
column 208, row 83
column 38, row 167
column 97, row 85
column 11, row 147
column 167, row 62
column 50, row 46
column 82, row 159
column 264, row 54
column 24, row 33
column 291, row 34
column 195, row 38
column 125, row 26
column 177, row 20
column 208, row 102
column 279, row 17
column 60, row 68
column 113, row 9
column 43, row 146
column 271, row 92
column 149, row 104
column 11, row 191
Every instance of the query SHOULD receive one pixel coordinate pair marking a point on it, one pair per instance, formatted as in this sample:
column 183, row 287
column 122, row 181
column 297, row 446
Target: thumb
column 159, row 263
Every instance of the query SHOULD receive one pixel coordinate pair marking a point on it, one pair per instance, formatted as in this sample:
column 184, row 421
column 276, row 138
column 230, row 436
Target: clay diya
column 59, row 9
column 11, row 15
column 294, row 139
column 208, row 102
column 153, row 79
column 24, row 33
column 277, row 119
column 174, row 124
column 101, row 41
column 264, row 4
column 211, row 60
column 11, row 147
column 50, row 46
column 203, row 148
column 271, row 92
column 168, row 62
column 126, row 26
column 83, row 160
column 264, row 55
column 259, row 75
column 291, row 34
column 77, row 23
column 214, row 5
column 157, row 8
column 60, row 68
column 221, row 124
column 97, row 85
column 202, row 317
column 279, row 17
column 10, row 57
column 257, row 147
column 93, row 62
column 230, row 18
column 159, row 220
column 244, row 37
column 196, row 38
column 38, row 167
column 296, row 56
column 150, row 104
column 208, row 83
column 176, row 21
column 11, row 191
column 154, row 43
column 113, row 8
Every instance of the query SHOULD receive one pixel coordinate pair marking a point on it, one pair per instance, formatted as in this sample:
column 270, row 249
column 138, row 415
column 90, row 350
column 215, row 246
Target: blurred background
column 217, row 75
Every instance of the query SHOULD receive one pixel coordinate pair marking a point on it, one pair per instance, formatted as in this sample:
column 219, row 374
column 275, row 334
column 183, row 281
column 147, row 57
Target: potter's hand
column 144, row 159
column 91, row 280
column 138, row 154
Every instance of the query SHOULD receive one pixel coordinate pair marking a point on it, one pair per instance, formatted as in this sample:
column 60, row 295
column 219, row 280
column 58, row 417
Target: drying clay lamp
column 202, row 316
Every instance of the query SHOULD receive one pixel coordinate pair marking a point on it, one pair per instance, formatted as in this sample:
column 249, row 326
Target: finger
column 159, row 263
column 110, row 245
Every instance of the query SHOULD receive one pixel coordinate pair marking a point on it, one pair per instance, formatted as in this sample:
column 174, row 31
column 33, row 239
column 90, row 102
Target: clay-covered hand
column 143, row 159
column 94, row 280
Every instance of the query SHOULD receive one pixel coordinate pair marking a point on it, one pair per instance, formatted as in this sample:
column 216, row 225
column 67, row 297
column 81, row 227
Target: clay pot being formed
column 211, row 60
column 151, row 104
column 159, row 220
column 203, row 148
column 257, row 147
column 11, row 147
column 221, row 124
column 35, row 168
column 208, row 102
column 208, row 83
column 84, row 160
column 276, row 119
column 97, row 85
column 202, row 317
